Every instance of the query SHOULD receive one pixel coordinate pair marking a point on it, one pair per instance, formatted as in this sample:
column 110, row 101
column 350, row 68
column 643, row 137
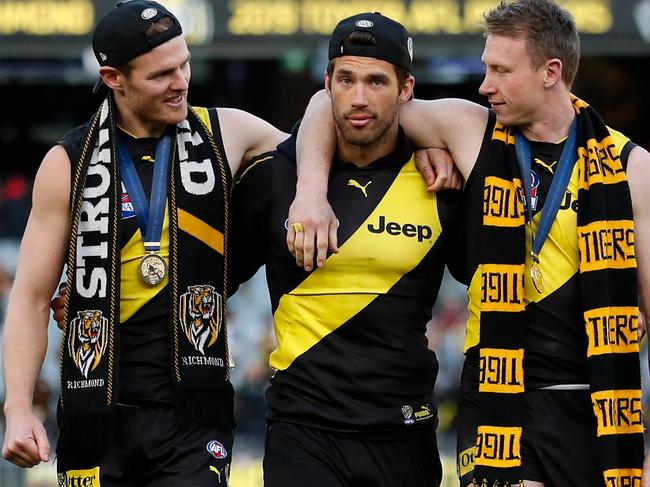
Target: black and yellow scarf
column 609, row 299
column 198, row 192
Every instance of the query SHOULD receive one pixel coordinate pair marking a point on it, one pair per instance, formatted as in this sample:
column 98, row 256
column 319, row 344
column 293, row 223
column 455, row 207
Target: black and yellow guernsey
column 352, row 354
column 555, row 341
column 144, row 367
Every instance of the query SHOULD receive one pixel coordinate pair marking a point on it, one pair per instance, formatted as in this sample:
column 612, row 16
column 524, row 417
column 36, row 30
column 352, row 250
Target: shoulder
column 620, row 140
column 204, row 115
column 639, row 163
column 624, row 146
column 73, row 140
column 260, row 166
column 52, row 181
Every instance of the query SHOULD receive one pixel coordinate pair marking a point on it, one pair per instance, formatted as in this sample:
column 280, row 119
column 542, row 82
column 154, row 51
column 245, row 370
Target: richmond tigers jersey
column 144, row 372
column 555, row 339
column 352, row 353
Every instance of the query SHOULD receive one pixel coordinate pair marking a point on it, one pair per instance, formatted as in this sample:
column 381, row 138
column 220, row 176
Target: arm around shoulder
column 447, row 123
column 312, row 223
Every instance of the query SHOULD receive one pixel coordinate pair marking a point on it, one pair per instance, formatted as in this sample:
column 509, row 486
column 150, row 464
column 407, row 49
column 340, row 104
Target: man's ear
column 111, row 77
column 552, row 72
column 407, row 90
column 327, row 81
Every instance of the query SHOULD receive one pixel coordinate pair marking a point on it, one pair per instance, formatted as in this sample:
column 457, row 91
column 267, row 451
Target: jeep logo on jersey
column 422, row 232
column 217, row 450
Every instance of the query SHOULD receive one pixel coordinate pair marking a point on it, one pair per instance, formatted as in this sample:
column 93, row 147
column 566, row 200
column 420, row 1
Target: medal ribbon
column 150, row 217
column 556, row 191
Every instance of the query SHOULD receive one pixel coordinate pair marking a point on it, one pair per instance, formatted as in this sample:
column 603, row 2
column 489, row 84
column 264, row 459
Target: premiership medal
column 554, row 197
column 537, row 277
column 153, row 269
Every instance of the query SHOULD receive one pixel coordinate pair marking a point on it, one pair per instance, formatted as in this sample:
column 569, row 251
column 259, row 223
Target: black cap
column 121, row 34
column 393, row 43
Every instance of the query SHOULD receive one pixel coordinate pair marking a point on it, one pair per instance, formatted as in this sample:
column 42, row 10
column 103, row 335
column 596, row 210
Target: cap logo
column 148, row 13
column 103, row 56
column 366, row 24
column 409, row 46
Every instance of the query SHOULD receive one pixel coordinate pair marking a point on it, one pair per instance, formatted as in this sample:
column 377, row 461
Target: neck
column 553, row 122
column 140, row 131
column 135, row 126
column 363, row 155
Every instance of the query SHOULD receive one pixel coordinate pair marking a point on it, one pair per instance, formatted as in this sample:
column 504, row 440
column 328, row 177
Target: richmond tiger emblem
column 87, row 341
column 200, row 316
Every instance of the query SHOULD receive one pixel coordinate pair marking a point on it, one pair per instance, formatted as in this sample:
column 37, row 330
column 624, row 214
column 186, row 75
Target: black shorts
column 149, row 449
column 558, row 445
column 300, row 456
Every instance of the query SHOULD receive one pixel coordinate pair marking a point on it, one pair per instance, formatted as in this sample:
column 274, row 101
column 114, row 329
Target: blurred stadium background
column 267, row 57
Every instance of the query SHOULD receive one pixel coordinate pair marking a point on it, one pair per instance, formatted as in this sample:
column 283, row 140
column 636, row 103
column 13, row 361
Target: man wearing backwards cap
column 350, row 403
column 145, row 394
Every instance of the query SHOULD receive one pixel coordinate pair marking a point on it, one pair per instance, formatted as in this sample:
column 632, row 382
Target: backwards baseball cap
column 121, row 35
column 392, row 42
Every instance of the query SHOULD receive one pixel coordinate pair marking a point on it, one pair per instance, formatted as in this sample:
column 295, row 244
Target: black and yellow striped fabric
column 554, row 341
column 351, row 348
column 589, row 269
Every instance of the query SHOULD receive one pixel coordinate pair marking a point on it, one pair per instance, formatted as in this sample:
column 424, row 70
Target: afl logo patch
column 409, row 46
column 217, row 450
column 534, row 186
column 148, row 13
column 127, row 206
column 366, row 24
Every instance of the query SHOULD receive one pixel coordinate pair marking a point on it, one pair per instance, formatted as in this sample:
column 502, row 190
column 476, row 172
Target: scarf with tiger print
column 608, row 292
column 197, row 199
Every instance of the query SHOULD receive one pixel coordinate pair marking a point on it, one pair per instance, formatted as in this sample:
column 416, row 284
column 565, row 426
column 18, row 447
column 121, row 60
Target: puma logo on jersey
column 550, row 167
column 225, row 470
column 422, row 232
column 354, row 184
column 216, row 470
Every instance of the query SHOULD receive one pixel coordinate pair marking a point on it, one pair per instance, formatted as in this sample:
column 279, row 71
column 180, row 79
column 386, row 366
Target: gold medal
column 153, row 269
column 537, row 277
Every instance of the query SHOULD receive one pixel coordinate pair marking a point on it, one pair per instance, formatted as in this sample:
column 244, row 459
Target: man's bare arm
column 638, row 172
column 316, row 143
column 450, row 123
column 245, row 136
column 41, row 259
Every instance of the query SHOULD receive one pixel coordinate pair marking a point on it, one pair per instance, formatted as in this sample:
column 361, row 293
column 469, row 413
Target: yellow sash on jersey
column 348, row 282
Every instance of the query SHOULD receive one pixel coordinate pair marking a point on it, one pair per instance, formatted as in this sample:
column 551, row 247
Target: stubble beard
column 363, row 138
column 161, row 114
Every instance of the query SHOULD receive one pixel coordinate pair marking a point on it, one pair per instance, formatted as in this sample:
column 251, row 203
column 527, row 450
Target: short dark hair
column 548, row 29
column 367, row 39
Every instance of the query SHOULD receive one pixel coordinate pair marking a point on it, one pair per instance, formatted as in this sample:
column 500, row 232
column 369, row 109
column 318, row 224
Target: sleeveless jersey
column 555, row 340
column 352, row 353
column 144, row 366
